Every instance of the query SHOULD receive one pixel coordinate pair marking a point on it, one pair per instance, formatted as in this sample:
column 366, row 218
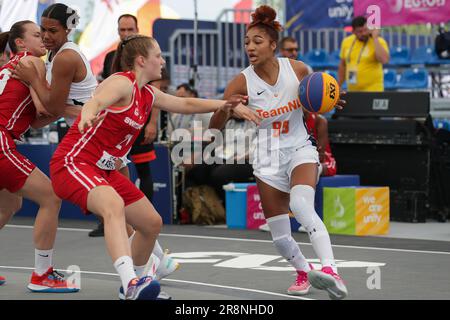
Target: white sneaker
column 264, row 227
column 302, row 229
column 167, row 266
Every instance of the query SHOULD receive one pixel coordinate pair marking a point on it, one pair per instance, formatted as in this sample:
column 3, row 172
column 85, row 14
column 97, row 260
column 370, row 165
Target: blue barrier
column 161, row 169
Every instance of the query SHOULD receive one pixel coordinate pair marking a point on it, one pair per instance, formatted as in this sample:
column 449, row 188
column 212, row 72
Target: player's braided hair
column 129, row 49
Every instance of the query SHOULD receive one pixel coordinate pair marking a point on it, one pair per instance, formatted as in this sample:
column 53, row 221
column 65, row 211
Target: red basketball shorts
column 73, row 182
column 14, row 167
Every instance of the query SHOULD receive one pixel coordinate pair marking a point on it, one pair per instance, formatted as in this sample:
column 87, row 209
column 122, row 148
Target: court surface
column 222, row 264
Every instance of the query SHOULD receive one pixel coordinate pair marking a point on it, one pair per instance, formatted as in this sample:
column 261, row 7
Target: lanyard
column 360, row 53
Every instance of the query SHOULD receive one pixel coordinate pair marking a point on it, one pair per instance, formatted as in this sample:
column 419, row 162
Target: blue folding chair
column 424, row 55
column 317, row 59
column 415, row 78
column 390, row 79
column 334, row 58
column 399, row 57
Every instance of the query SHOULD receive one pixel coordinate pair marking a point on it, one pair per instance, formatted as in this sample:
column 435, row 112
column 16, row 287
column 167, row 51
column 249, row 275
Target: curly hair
column 264, row 17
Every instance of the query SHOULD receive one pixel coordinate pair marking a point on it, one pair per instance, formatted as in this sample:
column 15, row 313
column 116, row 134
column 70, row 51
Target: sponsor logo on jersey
column 291, row 106
column 133, row 123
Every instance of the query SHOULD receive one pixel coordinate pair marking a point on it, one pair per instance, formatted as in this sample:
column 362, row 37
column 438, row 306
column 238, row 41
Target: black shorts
column 141, row 153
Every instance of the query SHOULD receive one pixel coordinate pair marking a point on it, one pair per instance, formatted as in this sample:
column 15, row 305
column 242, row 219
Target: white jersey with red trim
column 282, row 124
column 111, row 138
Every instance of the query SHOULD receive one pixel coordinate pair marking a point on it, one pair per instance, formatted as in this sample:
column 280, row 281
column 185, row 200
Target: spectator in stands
column 187, row 121
column 362, row 57
column 289, row 49
column 127, row 26
column 237, row 170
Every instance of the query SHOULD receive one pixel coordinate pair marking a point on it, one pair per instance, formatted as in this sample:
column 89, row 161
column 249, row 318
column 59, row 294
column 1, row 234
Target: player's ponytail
column 264, row 17
column 9, row 38
column 130, row 48
column 4, row 37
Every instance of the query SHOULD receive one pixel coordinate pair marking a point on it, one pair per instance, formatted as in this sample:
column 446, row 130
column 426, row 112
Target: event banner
column 401, row 12
column 307, row 14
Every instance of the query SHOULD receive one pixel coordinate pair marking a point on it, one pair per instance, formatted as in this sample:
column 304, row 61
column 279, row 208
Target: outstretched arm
column 174, row 104
column 220, row 117
column 114, row 91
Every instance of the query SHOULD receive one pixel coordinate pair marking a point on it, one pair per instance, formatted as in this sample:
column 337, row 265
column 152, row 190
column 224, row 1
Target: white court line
column 252, row 240
column 59, row 229
column 180, row 281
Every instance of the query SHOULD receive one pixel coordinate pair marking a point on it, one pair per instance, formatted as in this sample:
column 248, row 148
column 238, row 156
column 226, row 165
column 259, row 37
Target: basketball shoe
column 328, row 280
column 167, row 266
column 301, row 286
column 143, row 289
column 52, row 282
column 2, row 280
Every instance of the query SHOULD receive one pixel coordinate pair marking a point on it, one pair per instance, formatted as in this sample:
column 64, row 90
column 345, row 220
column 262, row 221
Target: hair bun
column 266, row 15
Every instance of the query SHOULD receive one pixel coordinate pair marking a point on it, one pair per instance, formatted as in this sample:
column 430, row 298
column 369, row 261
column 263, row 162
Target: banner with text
column 401, row 12
column 307, row 14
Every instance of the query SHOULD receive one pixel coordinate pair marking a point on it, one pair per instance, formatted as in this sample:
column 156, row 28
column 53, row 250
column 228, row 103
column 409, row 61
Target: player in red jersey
column 318, row 128
column 19, row 108
column 83, row 168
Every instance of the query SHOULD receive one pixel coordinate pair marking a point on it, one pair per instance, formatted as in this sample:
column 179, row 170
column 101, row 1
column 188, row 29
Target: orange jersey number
column 280, row 128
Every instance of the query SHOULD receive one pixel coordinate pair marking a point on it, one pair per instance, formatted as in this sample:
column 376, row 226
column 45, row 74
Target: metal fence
column 221, row 55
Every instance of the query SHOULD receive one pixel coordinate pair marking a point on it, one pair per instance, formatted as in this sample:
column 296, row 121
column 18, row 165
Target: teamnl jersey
column 279, row 106
column 111, row 138
column 17, row 110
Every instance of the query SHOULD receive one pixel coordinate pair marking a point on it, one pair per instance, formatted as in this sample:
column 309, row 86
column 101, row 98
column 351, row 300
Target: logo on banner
column 398, row 5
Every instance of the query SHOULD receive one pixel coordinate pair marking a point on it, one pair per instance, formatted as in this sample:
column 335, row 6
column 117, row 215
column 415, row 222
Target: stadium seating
column 415, row 78
column 400, row 56
column 317, row 59
column 390, row 79
column 334, row 58
column 425, row 56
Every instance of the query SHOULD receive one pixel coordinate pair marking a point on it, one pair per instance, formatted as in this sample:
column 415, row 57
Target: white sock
column 158, row 251
column 124, row 267
column 140, row 270
column 280, row 228
column 302, row 206
column 42, row 260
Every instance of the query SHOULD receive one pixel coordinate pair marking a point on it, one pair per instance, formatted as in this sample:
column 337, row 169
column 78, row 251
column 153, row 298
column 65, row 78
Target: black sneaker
column 99, row 232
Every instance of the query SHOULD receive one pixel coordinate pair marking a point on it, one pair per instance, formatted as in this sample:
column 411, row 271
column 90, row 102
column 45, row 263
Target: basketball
column 319, row 92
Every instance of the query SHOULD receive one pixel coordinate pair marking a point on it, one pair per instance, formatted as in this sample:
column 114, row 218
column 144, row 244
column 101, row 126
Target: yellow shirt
column 369, row 72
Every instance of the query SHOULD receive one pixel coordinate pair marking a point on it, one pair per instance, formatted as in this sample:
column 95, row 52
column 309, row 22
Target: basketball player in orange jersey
column 19, row 108
column 286, row 160
column 84, row 166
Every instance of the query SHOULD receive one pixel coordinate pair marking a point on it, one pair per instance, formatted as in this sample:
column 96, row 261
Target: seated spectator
column 236, row 166
column 289, row 49
column 188, row 121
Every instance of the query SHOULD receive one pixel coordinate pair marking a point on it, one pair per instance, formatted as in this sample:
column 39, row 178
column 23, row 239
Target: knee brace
column 302, row 206
column 287, row 247
column 280, row 228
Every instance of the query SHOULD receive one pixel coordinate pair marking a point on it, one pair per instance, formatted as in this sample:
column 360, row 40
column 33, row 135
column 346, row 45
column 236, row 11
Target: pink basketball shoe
column 328, row 280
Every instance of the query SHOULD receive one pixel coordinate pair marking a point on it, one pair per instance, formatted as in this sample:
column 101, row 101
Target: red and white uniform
column 329, row 161
column 17, row 112
column 85, row 161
